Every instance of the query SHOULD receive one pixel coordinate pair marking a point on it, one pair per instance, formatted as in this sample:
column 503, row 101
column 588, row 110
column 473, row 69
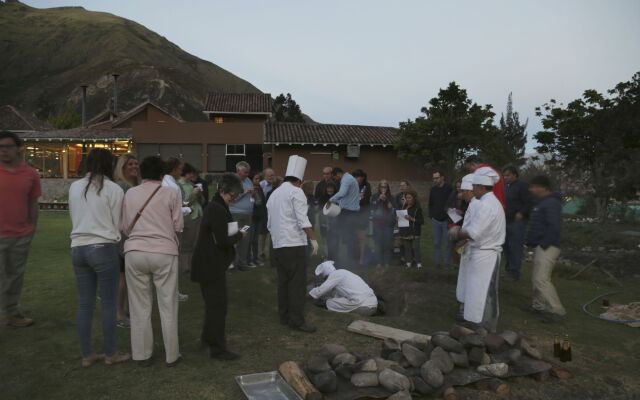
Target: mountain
column 46, row 54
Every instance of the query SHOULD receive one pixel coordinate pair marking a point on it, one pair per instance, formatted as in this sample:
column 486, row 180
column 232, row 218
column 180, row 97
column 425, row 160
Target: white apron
column 477, row 269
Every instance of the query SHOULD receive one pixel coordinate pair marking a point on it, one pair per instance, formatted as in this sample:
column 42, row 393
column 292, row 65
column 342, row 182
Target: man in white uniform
column 290, row 228
column 344, row 291
column 484, row 228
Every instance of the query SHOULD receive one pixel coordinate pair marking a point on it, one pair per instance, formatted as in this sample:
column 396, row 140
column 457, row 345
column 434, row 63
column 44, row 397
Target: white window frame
column 244, row 150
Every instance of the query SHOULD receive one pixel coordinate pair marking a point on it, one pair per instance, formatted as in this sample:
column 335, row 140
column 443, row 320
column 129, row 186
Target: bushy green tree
column 285, row 109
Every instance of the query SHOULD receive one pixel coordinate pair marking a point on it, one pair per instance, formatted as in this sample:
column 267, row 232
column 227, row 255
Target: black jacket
column 438, row 198
column 518, row 199
column 214, row 250
column 415, row 227
column 545, row 221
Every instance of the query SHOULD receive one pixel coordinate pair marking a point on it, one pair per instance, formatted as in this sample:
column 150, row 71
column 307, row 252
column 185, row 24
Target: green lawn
column 43, row 362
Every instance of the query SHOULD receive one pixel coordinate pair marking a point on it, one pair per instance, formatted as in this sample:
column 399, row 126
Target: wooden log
column 297, row 379
column 495, row 385
column 560, row 372
column 450, row 394
column 386, row 332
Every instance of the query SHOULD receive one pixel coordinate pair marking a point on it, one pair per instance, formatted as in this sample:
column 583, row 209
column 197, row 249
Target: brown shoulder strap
column 139, row 214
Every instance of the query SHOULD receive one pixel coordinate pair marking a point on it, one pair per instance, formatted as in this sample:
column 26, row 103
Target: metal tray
column 266, row 386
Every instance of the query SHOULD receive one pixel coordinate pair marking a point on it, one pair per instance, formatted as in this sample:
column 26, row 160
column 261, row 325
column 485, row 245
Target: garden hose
column 587, row 304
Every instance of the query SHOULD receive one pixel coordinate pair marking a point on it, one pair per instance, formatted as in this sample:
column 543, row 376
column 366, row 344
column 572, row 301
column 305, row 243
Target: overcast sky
column 378, row 62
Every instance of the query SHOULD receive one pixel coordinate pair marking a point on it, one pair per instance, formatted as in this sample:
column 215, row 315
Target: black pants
column 348, row 227
column 214, row 294
column 291, row 265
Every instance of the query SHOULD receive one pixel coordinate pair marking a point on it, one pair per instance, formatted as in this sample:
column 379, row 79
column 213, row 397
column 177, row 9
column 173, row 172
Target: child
column 410, row 235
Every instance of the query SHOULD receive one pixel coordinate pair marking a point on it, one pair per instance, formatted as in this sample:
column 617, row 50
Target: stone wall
column 55, row 189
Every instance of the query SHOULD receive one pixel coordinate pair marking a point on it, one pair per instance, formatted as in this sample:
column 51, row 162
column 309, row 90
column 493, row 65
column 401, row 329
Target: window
column 235, row 150
column 218, row 120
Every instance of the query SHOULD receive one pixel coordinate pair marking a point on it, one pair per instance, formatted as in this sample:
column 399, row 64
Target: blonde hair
column 118, row 174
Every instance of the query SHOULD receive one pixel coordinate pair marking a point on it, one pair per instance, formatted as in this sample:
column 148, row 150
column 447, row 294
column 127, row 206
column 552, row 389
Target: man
column 544, row 236
column 484, row 230
column 290, row 229
column 319, row 194
column 242, row 212
column 475, row 163
column 438, row 198
column 20, row 188
column 518, row 199
column 348, row 199
column 266, row 183
column 343, row 291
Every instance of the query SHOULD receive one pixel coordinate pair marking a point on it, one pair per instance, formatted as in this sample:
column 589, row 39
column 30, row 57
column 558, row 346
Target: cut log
column 450, row 394
column 560, row 372
column 386, row 332
column 497, row 386
column 297, row 379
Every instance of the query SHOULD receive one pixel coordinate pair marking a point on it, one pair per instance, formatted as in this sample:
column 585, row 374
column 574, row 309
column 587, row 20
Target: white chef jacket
column 487, row 226
column 287, row 210
column 345, row 292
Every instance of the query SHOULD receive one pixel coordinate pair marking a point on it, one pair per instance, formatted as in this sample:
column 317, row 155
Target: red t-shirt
column 17, row 189
column 498, row 188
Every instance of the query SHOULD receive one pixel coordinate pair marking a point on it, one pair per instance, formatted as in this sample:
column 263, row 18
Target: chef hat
column 325, row 268
column 296, row 167
column 467, row 182
column 485, row 176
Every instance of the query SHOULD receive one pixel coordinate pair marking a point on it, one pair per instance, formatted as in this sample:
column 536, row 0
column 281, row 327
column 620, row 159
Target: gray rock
column 421, row 386
column 399, row 358
column 415, row 357
column 500, row 357
column 448, row 343
column 429, row 348
column 486, row 359
column 495, row 343
column 417, row 344
column 482, row 331
column 499, row 370
column 432, row 374
column 389, row 346
column 317, row 364
column 365, row 379
column 359, row 356
column 413, row 371
column 330, row 350
column 383, row 364
column 476, row 354
column 403, row 395
column 530, row 350
column 460, row 359
column 440, row 333
column 510, row 337
column 400, row 370
column 458, row 332
column 345, row 371
column 442, row 360
column 326, row 382
column 343, row 359
column 394, row 381
column 472, row 340
column 514, row 355
column 367, row 366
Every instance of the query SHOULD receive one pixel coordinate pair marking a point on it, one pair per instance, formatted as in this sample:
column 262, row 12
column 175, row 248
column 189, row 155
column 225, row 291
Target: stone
column 317, row 364
column 429, row 348
column 448, row 343
column 399, row 370
column 510, row 337
column 499, row 370
column 394, row 381
column 442, row 360
column 403, row 395
column 514, row 355
column 413, row 371
column 326, row 382
column 383, row 364
column 432, row 374
column 359, row 356
column 460, row 359
column 389, row 346
column 414, row 356
column 418, row 345
column 365, row 379
column 343, row 359
column 472, row 340
column 500, row 357
column 458, row 332
column 330, row 350
column 421, row 386
column 367, row 366
column 486, row 359
column 399, row 358
column 476, row 354
column 482, row 331
column 495, row 343
column 345, row 371
column 530, row 350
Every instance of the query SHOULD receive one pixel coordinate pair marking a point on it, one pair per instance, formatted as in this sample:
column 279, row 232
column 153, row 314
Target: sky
column 377, row 62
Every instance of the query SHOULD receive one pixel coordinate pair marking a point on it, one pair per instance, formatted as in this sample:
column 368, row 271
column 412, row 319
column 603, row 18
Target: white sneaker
column 408, row 265
column 419, row 265
column 183, row 297
column 231, row 267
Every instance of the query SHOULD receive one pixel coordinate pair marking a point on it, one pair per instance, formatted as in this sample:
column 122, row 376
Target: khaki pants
column 188, row 241
column 142, row 270
column 13, row 262
column 545, row 296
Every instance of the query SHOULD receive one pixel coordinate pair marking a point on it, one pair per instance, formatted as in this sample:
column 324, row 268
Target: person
column 151, row 219
column 242, row 211
column 474, row 163
column 348, row 199
column 484, row 230
column 410, row 235
column 194, row 199
column 438, row 197
column 267, row 184
column 457, row 203
column 404, row 187
column 20, row 188
column 213, row 254
column 320, row 193
column 258, row 219
column 95, row 204
column 544, row 237
column 202, row 183
column 328, row 227
column 517, row 211
column 383, row 216
column 343, row 291
column 363, row 214
column 290, row 229
column 126, row 175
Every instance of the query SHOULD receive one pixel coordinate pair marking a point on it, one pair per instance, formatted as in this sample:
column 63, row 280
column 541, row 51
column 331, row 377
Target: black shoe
column 145, row 363
column 305, row 328
column 174, row 363
column 224, row 355
column 530, row 309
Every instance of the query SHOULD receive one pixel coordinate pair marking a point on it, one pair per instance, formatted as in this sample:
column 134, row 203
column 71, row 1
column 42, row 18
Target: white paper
column 402, row 221
column 453, row 214
column 232, row 228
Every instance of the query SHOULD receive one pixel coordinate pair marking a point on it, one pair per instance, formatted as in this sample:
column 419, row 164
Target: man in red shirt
column 20, row 188
column 473, row 163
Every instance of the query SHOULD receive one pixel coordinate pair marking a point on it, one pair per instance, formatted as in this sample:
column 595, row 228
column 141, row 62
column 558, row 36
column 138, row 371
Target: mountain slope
column 47, row 53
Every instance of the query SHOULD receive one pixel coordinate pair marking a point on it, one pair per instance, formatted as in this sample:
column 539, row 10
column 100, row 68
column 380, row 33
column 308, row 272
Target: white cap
column 296, row 167
column 485, row 176
column 325, row 268
column 467, row 182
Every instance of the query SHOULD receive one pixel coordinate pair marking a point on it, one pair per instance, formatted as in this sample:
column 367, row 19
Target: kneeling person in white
column 344, row 291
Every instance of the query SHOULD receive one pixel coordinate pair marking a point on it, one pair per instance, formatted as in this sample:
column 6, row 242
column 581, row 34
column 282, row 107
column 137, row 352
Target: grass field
column 43, row 362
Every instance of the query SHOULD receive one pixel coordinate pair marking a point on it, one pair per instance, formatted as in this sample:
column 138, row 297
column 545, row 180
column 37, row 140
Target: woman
column 213, row 254
column 258, row 219
column 410, row 235
column 151, row 218
column 127, row 175
column 383, row 215
column 95, row 203
column 194, row 199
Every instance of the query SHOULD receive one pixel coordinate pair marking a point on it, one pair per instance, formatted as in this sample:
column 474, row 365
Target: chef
column 344, row 291
column 291, row 231
column 484, row 232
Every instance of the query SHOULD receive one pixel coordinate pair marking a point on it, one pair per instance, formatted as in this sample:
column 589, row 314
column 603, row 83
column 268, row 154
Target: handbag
column 139, row 213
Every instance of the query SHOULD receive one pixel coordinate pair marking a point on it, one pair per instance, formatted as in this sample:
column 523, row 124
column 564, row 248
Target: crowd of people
column 141, row 226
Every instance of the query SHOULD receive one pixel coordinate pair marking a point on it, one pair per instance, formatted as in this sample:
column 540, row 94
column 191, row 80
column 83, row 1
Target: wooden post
column 293, row 374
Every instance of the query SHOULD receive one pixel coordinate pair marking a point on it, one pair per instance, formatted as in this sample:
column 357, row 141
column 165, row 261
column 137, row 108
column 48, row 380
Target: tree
column 451, row 128
column 285, row 109
column 65, row 120
column 598, row 137
column 512, row 139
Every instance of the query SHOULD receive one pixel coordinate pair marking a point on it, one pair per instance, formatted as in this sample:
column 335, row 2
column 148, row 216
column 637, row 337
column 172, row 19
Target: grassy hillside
column 48, row 53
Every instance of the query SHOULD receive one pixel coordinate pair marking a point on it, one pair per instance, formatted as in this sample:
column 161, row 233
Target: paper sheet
column 453, row 214
column 232, row 228
column 402, row 221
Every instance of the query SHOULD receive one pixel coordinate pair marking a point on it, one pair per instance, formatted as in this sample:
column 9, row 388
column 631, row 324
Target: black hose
column 587, row 304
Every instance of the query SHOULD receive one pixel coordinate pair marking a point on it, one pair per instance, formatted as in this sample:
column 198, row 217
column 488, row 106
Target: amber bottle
column 565, row 353
column 557, row 346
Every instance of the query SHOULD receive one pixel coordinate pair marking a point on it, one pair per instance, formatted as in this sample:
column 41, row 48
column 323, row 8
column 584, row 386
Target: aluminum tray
column 266, row 386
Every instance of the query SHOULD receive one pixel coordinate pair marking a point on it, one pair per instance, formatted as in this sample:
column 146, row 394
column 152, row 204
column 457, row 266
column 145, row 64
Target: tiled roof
column 11, row 119
column 134, row 111
column 285, row 133
column 238, row 103
column 78, row 134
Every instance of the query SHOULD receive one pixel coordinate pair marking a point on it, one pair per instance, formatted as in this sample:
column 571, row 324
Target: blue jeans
column 96, row 265
column 383, row 242
column 514, row 247
column 440, row 237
